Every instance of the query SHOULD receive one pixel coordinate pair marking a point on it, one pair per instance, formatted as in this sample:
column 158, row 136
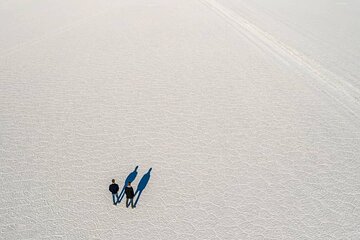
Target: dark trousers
column 128, row 203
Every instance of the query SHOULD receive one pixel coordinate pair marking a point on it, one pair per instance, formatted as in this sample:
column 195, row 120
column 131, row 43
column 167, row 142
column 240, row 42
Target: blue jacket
column 114, row 188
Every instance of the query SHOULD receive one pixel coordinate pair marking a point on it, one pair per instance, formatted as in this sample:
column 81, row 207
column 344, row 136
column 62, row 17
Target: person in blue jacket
column 114, row 189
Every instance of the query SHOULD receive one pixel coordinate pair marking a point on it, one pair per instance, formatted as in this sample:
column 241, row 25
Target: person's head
column 113, row 180
column 129, row 183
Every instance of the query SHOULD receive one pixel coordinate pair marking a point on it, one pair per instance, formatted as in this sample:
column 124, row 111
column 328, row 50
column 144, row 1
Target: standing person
column 129, row 191
column 129, row 178
column 114, row 189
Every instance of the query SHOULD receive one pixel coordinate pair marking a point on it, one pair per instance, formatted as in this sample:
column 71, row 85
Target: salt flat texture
column 247, row 111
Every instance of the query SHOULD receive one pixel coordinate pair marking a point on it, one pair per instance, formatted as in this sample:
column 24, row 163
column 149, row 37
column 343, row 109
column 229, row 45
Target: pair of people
column 129, row 192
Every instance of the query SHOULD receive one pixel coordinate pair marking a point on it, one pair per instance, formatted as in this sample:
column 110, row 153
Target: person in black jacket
column 114, row 189
column 129, row 191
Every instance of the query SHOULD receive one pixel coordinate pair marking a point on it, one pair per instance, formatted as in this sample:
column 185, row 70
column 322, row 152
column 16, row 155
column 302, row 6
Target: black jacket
column 129, row 191
column 114, row 188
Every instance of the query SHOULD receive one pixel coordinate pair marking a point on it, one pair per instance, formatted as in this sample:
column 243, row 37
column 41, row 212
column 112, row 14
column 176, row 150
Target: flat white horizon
column 247, row 111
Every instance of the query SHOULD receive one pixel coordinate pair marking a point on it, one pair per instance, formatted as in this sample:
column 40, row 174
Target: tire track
column 328, row 82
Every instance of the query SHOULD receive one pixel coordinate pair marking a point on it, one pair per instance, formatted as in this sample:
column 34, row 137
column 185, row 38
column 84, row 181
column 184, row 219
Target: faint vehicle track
column 328, row 82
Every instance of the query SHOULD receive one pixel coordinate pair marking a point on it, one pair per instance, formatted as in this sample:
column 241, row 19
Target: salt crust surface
column 250, row 133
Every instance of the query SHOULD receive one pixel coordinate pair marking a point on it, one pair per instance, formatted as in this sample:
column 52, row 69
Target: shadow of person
column 130, row 178
column 141, row 186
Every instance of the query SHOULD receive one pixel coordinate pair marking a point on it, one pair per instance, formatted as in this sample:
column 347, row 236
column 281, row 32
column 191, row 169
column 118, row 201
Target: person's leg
column 132, row 203
column 127, row 202
column 114, row 201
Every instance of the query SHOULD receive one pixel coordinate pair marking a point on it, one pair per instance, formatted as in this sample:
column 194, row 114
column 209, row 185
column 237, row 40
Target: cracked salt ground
column 247, row 111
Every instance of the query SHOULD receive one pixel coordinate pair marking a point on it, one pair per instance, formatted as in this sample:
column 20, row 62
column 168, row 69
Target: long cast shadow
column 141, row 186
column 130, row 178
